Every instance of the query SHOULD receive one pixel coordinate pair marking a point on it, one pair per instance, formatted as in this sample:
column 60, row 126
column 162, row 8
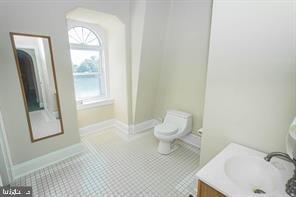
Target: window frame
column 102, row 49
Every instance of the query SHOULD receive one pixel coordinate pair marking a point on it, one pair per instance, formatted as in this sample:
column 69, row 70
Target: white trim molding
column 192, row 139
column 135, row 128
column 6, row 151
column 123, row 127
column 95, row 104
column 27, row 167
column 97, row 127
column 143, row 126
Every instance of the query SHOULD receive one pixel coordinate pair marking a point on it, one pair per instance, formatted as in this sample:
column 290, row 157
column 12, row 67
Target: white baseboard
column 143, row 126
column 45, row 160
column 192, row 139
column 123, row 127
column 94, row 128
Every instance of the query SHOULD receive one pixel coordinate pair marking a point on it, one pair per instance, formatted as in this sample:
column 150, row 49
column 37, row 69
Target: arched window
column 87, row 55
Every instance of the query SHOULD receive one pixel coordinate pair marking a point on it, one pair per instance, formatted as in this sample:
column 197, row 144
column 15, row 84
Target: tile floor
column 114, row 164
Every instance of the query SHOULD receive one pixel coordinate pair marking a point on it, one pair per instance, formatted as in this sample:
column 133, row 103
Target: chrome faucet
column 291, row 184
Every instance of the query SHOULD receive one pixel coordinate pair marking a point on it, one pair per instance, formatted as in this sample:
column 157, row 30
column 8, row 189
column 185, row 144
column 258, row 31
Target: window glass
column 87, row 65
column 84, row 36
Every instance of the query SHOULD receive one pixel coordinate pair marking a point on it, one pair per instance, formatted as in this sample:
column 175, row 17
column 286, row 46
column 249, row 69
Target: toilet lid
column 166, row 129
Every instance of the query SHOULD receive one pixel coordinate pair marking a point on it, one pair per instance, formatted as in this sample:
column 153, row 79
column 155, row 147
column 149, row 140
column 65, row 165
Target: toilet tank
column 181, row 119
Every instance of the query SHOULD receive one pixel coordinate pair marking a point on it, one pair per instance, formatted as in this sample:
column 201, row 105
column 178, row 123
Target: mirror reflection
column 36, row 72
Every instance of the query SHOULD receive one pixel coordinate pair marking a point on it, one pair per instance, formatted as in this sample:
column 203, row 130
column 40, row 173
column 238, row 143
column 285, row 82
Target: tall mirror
column 35, row 65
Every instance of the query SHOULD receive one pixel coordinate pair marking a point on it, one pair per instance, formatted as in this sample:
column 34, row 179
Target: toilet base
column 166, row 148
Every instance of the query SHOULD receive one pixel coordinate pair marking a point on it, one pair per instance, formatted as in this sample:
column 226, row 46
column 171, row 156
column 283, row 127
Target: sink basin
column 253, row 174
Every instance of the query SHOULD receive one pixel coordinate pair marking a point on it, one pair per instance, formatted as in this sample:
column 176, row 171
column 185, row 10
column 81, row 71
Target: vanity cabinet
column 205, row 190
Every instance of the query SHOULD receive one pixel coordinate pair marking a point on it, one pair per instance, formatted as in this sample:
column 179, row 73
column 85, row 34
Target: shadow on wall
column 117, row 55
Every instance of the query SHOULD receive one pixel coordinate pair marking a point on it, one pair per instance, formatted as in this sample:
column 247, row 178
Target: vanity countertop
column 213, row 173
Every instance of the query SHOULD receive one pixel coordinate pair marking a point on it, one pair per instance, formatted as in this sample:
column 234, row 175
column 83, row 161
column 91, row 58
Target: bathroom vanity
column 205, row 190
column 238, row 170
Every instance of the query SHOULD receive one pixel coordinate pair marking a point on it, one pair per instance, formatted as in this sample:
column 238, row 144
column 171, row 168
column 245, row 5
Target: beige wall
column 251, row 83
column 138, row 12
column 94, row 115
column 43, row 18
column 184, row 64
column 152, row 48
column 156, row 13
column 170, row 70
column 118, row 69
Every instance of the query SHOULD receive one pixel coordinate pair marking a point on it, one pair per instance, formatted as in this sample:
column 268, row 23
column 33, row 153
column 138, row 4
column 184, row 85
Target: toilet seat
column 166, row 129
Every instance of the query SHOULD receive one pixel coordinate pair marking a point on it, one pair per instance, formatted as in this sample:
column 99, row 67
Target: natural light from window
column 87, row 65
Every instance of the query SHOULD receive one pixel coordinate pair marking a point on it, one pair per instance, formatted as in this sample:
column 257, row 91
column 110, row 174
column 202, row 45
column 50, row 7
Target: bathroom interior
column 148, row 98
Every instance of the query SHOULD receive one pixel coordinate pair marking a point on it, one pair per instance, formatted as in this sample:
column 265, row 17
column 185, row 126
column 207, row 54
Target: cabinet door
column 206, row 191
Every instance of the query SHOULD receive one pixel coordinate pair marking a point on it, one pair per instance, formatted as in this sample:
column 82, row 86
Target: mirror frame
column 12, row 34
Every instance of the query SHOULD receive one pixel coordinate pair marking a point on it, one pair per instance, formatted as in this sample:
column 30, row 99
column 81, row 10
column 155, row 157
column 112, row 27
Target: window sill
column 95, row 104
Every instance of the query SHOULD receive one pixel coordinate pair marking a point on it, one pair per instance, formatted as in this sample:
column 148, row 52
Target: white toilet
column 175, row 125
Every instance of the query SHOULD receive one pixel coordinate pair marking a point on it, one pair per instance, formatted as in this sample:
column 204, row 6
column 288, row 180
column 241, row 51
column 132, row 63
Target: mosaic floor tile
column 117, row 165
